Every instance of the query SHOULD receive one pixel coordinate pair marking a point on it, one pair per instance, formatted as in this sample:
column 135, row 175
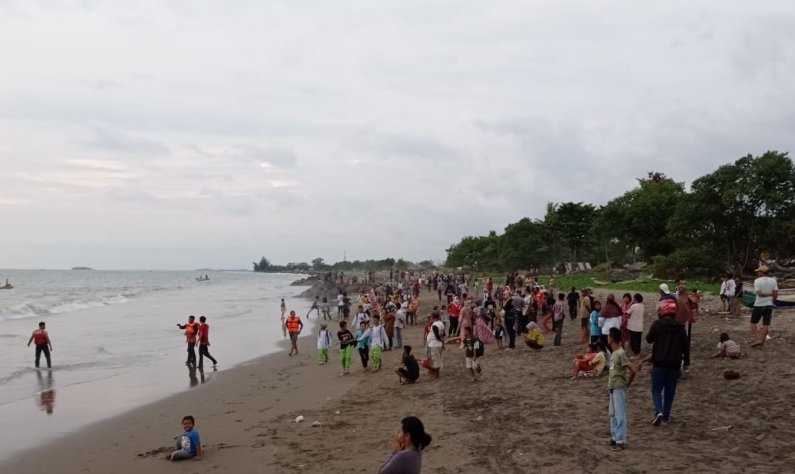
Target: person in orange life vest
column 294, row 327
column 204, row 343
column 43, row 344
column 191, row 332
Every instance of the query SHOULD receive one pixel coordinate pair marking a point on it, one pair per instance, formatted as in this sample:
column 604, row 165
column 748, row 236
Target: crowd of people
column 473, row 313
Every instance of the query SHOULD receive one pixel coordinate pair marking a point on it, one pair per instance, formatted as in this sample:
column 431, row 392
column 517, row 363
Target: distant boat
column 206, row 277
column 7, row 286
column 82, row 268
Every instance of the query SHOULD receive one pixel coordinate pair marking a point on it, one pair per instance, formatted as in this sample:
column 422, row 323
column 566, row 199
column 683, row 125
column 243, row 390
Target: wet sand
column 525, row 415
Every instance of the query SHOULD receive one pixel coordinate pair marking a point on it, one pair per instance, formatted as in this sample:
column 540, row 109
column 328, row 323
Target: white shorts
column 472, row 363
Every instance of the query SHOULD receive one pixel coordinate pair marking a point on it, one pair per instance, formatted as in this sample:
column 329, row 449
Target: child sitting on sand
column 410, row 371
column 473, row 351
column 323, row 343
column 728, row 348
column 189, row 444
column 533, row 337
column 591, row 364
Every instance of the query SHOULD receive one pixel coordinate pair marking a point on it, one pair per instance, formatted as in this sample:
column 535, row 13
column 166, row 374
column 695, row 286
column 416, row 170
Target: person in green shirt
column 620, row 377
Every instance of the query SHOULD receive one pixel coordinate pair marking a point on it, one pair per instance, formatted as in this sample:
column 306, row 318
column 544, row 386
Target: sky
column 189, row 134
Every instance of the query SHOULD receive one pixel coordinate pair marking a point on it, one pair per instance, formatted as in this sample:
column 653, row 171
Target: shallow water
column 116, row 344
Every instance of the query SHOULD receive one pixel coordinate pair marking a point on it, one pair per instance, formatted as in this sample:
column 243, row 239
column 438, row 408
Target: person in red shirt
column 191, row 332
column 453, row 311
column 43, row 344
column 204, row 343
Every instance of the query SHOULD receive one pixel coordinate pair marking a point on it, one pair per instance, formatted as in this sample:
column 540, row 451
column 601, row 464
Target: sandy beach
column 525, row 415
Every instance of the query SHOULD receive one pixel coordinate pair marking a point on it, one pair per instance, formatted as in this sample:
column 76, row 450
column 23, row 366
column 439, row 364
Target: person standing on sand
column 620, row 377
column 315, row 307
column 340, row 304
column 43, row 344
column 573, row 298
column 204, row 343
column 407, row 448
column 669, row 349
column 435, row 343
column 635, row 323
column 363, row 344
column 294, row 326
column 191, row 329
column 323, row 344
column 400, row 323
column 347, row 341
column 766, row 289
column 585, row 315
column 378, row 342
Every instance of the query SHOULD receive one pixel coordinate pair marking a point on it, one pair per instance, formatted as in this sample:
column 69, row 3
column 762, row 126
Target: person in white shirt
column 400, row 323
column 323, row 344
column 727, row 293
column 340, row 305
column 435, row 344
column 378, row 342
column 635, row 323
column 766, row 289
column 360, row 317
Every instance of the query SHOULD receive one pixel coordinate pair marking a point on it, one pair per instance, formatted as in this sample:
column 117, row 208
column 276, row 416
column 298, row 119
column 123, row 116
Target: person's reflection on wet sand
column 192, row 375
column 46, row 400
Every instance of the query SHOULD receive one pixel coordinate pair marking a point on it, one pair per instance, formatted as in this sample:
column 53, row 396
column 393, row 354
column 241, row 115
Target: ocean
column 115, row 341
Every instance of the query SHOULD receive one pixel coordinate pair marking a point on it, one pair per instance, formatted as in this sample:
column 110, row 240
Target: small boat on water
column 206, row 277
column 7, row 286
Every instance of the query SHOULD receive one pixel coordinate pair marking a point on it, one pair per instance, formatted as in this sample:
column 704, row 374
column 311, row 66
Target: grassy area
column 590, row 280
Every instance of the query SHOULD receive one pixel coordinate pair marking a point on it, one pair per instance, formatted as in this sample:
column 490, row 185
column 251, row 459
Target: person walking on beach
column 378, row 342
column 363, row 344
column 204, row 343
column 435, row 343
column 326, row 309
column 340, row 304
column 669, row 349
column 43, row 344
column 294, row 326
column 573, row 298
column 766, row 289
column 558, row 316
column 620, row 377
column 323, row 344
column 315, row 307
column 347, row 341
column 400, row 323
column 191, row 329
column 407, row 448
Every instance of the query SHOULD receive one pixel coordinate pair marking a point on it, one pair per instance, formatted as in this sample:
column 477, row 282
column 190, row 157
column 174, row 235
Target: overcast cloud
column 186, row 134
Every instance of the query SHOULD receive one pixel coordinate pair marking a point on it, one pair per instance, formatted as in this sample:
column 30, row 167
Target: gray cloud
column 299, row 130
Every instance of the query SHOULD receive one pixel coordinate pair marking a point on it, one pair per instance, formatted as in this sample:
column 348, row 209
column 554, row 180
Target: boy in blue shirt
column 596, row 328
column 189, row 444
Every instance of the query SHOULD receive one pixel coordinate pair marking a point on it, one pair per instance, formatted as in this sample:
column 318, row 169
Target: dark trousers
column 635, row 339
column 573, row 311
column 205, row 352
column 46, row 350
column 663, row 390
column 689, row 339
column 510, row 328
column 364, row 354
column 191, row 354
column 453, row 326
column 558, row 326
column 521, row 327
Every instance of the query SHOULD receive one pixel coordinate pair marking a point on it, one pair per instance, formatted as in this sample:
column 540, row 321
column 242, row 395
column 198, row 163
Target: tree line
column 722, row 223
column 319, row 265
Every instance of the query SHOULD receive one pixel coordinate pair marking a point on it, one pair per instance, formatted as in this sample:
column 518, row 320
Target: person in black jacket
column 670, row 348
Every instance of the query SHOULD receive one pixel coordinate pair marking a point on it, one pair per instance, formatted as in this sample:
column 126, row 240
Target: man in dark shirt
column 670, row 348
column 573, row 298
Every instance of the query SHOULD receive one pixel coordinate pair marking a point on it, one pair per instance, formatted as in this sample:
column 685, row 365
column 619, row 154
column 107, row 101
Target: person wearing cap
column 766, row 289
column 669, row 349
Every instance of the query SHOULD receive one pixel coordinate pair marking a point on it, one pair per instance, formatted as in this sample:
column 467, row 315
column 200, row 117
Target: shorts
column 765, row 313
column 436, row 357
column 584, row 322
column 472, row 363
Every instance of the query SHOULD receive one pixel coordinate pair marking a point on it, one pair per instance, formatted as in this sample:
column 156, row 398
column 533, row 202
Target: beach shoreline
column 524, row 415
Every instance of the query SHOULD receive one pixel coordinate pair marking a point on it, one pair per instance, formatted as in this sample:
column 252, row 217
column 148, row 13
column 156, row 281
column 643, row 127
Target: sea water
column 116, row 343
